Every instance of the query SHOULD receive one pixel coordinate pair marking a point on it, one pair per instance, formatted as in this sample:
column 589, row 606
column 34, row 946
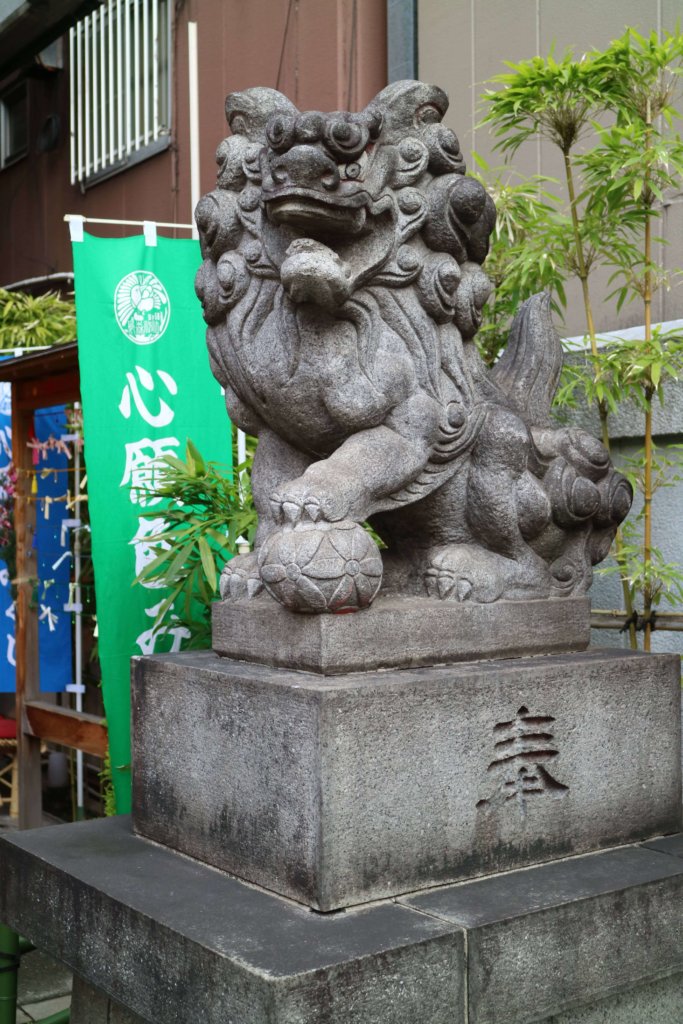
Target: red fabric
column 8, row 728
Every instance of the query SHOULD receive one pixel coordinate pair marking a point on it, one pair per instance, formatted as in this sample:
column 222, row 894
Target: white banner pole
column 193, row 73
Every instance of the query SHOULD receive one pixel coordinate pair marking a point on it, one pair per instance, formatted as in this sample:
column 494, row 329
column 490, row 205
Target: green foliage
column 666, row 466
column 555, row 99
column 621, row 180
column 624, row 370
column 523, row 257
column 644, row 73
column 30, row 322
column 661, row 578
column 208, row 509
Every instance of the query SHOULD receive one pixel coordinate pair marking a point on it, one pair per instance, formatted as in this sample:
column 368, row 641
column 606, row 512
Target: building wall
column 322, row 53
column 463, row 43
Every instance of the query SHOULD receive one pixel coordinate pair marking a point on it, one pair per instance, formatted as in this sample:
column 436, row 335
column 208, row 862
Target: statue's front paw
column 240, row 578
column 304, row 502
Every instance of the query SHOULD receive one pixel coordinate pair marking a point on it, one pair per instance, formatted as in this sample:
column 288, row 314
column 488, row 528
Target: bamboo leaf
column 208, row 563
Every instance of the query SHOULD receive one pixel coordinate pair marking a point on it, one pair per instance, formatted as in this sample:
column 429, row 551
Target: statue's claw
column 254, row 586
column 276, row 508
column 292, row 511
column 240, row 578
column 301, row 504
column 312, row 509
column 447, row 585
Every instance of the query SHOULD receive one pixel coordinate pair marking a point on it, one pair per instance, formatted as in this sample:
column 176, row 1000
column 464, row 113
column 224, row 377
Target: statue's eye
column 345, row 139
column 280, row 132
column 355, row 169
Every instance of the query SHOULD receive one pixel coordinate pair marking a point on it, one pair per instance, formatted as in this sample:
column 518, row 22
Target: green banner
column 146, row 387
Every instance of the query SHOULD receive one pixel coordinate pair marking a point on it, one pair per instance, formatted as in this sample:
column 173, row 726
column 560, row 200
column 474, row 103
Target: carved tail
column 529, row 370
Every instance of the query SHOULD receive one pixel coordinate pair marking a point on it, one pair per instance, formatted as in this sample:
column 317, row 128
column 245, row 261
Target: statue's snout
column 304, row 166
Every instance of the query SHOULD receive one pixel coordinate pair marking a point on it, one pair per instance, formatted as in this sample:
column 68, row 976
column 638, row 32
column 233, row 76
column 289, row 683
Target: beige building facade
column 462, row 44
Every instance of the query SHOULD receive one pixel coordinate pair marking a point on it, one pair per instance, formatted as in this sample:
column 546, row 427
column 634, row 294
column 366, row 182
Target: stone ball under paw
column 330, row 567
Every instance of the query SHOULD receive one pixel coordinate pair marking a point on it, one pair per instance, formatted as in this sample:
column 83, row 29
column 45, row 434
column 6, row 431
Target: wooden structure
column 39, row 379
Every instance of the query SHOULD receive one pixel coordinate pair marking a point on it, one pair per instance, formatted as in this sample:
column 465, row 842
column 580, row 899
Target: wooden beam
column 66, row 727
column 41, row 392
column 37, row 363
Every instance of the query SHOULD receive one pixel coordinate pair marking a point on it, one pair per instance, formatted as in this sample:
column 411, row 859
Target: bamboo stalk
column 649, row 392
column 9, row 961
column 666, row 622
column 590, row 324
column 583, row 273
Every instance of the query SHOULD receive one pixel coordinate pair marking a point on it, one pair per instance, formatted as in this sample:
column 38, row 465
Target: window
column 120, row 86
column 13, row 124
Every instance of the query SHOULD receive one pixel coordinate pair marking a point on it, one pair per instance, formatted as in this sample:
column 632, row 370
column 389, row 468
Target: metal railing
column 120, row 85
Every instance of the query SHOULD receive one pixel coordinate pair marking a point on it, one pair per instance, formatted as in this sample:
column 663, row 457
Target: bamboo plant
column 624, row 97
column 208, row 512
column 637, row 160
column 27, row 321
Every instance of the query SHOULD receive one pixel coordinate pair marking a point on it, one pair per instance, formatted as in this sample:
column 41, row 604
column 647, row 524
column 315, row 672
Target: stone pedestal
column 398, row 632
column 475, row 843
column 338, row 790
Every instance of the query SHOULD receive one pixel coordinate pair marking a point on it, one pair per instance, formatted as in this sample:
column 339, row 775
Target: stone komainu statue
column 342, row 286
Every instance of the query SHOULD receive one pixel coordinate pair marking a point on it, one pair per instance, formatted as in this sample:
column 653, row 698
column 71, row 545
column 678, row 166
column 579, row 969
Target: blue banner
column 52, row 543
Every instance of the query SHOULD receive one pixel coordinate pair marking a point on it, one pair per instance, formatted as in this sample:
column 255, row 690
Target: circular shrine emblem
column 142, row 307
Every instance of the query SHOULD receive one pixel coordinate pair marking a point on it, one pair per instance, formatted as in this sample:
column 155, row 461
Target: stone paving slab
column 41, row 977
column 38, row 1011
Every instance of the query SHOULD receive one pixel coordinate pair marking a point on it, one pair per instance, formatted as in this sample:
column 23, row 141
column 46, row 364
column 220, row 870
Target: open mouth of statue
column 307, row 212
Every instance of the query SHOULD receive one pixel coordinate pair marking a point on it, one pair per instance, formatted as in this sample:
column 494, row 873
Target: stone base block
column 172, row 941
column 554, row 943
column 167, row 940
column 657, row 1002
column 339, row 790
column 398, row 632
